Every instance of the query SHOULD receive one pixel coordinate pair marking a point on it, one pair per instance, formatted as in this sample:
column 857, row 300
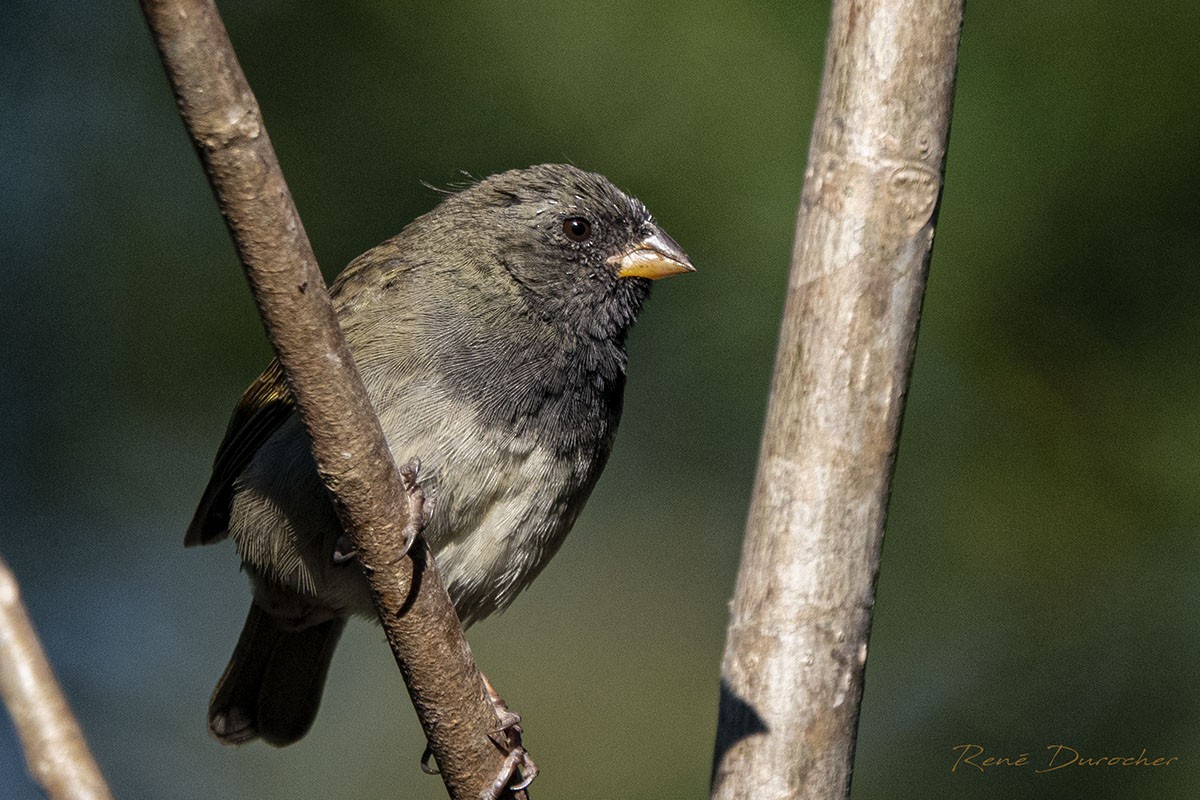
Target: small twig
column 373, row 504
column 56, row 753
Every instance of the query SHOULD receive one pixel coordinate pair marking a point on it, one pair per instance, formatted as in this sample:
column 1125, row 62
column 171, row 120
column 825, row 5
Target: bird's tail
column 272, row 686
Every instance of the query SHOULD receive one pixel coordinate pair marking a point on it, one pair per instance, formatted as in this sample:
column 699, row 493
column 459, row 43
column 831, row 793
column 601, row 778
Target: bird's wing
column 263, row 408
column 267, row 404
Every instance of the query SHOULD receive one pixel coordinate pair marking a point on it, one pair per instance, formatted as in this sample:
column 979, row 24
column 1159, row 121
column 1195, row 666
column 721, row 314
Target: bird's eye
column 577, row 229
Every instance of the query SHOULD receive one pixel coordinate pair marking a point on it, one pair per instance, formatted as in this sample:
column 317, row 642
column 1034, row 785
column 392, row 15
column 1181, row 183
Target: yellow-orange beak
column 656, row 256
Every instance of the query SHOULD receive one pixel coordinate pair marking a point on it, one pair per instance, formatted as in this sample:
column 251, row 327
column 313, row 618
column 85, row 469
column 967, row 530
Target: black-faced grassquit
column 490, row 334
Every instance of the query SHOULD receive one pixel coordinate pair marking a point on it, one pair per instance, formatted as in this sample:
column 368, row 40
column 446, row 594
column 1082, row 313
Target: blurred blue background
column 1039, row 581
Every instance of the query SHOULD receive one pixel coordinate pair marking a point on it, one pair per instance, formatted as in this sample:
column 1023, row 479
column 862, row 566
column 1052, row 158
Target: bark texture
column 792, row 676
column 373, row 503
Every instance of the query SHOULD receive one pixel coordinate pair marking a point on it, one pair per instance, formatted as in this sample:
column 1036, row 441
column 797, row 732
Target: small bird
column 490, row 335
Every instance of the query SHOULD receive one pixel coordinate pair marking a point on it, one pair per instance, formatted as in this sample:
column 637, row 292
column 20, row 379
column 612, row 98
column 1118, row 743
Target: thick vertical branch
column 792, row 675
column 225, row 123
column 55, row 751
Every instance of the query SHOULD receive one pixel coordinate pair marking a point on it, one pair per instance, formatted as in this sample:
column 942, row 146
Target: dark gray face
column 575, row 221
column 543, row 270
column 558, row 233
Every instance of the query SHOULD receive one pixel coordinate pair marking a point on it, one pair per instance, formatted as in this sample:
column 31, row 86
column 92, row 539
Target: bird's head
column 574, row 245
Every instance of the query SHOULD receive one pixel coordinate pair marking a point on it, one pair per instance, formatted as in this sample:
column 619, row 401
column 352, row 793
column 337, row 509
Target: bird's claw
column 508, row 737
column 420, row 504
column 344, row 551
column 420, row 511
column 517, row 762
column 425, row 757
column 509, row 719
column 410, row 472
column 410, row 477
column 528, row 769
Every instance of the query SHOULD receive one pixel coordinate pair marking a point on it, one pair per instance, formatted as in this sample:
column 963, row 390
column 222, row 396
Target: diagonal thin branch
column 796, row 651
column 226, row 126
column 56, row 753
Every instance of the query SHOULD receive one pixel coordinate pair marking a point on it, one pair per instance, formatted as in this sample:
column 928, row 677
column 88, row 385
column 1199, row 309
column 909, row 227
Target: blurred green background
column 1039, row 581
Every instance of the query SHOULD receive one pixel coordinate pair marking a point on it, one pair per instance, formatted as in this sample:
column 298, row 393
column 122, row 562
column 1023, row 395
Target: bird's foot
column 420, row 511
column 344, row 550
column 425, row 759
column 509, row 719
column 518, row 762
column 420, row 504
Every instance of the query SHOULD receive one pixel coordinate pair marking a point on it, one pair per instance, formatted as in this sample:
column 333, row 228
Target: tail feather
column 273, row 684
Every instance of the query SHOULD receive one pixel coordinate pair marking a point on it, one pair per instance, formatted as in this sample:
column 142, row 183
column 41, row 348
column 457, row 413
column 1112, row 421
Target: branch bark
column 796, row 650
column 226, row 126
column 56, row 753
